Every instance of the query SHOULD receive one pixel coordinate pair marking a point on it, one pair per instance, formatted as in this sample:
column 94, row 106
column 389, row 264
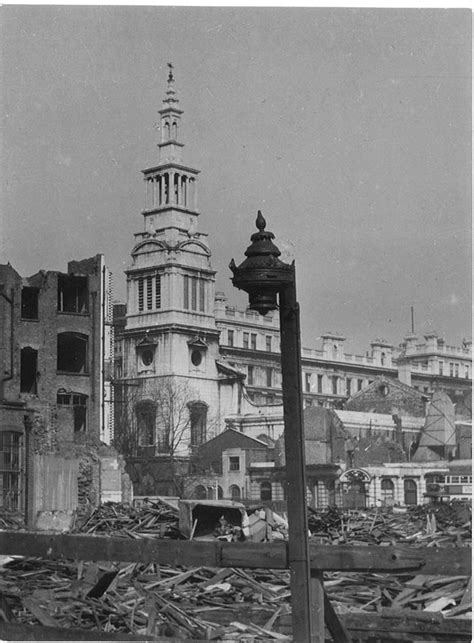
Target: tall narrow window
column 29, row 370
column 146, row 419
column 11, row 455
column 359, row 385
column 140, row 294
column 348, row 386
column 307, row 382
column 440, row 368
column 230, row 337
column 250, row 375
column 451, row 369
column 266, row 490
column 158, row 291
column 79, row 403
column 268, row 343
column 202, row 295
column 29, row 303
column 246, row 340
column 253, row 341
column 456, row 370
column 334, row 384
column 320, row 383
column 149, row 293
column 269, row 376
column 193, row 293
column 186, row 292
column 198, row 420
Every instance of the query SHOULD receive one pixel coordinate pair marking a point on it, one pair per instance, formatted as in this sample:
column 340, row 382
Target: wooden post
column 307, row 610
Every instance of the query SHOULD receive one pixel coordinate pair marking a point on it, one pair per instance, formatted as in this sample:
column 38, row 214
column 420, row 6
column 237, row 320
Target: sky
column 349, row 128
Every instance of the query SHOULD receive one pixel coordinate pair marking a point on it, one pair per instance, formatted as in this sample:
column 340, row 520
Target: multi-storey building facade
column 55, row 395
column 330, row 375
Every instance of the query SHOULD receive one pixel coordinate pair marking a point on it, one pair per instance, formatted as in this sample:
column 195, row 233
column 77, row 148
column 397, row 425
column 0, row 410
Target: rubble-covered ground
column 229, row 604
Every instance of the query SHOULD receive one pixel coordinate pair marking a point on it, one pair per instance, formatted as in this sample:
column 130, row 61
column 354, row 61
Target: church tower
column 170, row 331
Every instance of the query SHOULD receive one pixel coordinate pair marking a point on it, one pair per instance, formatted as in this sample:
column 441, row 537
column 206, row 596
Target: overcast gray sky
column 350, row 129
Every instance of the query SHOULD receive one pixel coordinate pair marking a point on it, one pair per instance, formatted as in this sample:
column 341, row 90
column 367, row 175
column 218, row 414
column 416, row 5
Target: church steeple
column 171, row 186
column 170, row 147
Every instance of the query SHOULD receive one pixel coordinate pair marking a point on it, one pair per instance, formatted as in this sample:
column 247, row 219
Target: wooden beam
column 407, row 625
column 439, row 561
column 24, row 632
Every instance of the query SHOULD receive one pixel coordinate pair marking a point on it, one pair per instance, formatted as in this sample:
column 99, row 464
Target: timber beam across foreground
column 444, row 561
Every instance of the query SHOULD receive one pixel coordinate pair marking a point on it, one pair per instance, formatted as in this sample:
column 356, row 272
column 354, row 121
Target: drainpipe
column 9, row 300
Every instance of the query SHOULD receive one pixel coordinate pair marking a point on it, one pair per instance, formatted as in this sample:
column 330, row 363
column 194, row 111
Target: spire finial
column 170, row 75
column 260, row 222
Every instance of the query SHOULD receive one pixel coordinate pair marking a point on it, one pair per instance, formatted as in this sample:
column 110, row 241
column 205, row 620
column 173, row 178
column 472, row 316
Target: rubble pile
column 152, row 519
column 231, row 604
column 441, row 525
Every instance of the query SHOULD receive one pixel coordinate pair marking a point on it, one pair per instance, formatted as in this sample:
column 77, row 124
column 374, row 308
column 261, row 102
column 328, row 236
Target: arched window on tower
column 167, row 130
column 174, row 131
column 145, row 411
column 198, row 420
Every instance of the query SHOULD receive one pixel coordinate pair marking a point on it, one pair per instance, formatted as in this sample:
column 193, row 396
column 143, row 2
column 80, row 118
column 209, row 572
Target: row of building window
column 146, row 417
column 234, row 493
column 73, row 297
column 335, row 381
column 72, row 357
column 454, row 369
column 249, row 340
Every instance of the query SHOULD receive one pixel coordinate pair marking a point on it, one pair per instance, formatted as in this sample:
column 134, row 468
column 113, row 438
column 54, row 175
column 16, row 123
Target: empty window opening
column 441, row 368
column 29, row 303
column 202, row 296
column 334, row 384
column 198, row 420
column 266, row 491
column 307, row 382
column 11, row 454
column 146, row 418
column 382, row 359
column 73, row 295
column 79, row 404
column 29, row 370
column 230, row 337
column 359, row 385
column 234, row 463
column 246, row 337
column 253, row 341
column 268, row 343
column 72, row 353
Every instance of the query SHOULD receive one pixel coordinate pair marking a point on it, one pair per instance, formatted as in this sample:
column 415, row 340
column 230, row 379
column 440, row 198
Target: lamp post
column 264, row 276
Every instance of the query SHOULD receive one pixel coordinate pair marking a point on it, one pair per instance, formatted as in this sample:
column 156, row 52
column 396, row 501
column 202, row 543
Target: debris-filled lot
column 230, row 604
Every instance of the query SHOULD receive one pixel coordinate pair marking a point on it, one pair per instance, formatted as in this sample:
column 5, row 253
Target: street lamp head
column 262, row 274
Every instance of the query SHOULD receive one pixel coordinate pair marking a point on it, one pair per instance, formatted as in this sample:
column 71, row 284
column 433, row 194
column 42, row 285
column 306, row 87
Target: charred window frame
column 73, row 294
column 29, row 370
column 72, row 355
column 29, row 303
